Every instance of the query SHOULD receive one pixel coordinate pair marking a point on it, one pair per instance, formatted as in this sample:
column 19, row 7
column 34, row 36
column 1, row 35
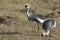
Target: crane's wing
column 40, row 16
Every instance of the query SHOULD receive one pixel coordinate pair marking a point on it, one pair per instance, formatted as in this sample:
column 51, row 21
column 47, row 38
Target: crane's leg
column 38, row 25
column 29, row 21
column 37, row 28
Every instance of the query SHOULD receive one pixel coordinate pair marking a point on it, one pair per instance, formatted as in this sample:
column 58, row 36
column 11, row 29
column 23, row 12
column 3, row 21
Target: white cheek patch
column 27, row 7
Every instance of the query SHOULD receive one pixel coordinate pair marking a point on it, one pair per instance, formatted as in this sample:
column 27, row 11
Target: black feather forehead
column 26, row 6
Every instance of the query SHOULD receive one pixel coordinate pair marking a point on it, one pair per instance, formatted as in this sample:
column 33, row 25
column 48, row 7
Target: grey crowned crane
column 47, row 24
column 33, row 16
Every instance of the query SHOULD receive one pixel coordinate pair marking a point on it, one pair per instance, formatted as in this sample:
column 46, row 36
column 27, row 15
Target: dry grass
column 15, row 25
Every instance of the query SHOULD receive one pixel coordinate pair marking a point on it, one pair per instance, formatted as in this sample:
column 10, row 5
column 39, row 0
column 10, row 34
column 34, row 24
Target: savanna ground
column 14, row 24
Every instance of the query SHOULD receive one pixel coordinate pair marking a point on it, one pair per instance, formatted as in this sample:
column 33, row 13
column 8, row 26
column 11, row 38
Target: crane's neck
column 27, row 13
column 41, row 20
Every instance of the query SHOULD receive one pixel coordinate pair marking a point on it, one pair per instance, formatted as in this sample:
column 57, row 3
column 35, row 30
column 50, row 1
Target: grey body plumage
column 48, row 24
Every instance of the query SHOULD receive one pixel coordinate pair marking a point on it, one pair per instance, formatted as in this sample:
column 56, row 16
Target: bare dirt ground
column 14, row 24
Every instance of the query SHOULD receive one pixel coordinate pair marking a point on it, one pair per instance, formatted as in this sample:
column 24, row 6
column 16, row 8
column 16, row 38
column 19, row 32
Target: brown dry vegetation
column 14, row 24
